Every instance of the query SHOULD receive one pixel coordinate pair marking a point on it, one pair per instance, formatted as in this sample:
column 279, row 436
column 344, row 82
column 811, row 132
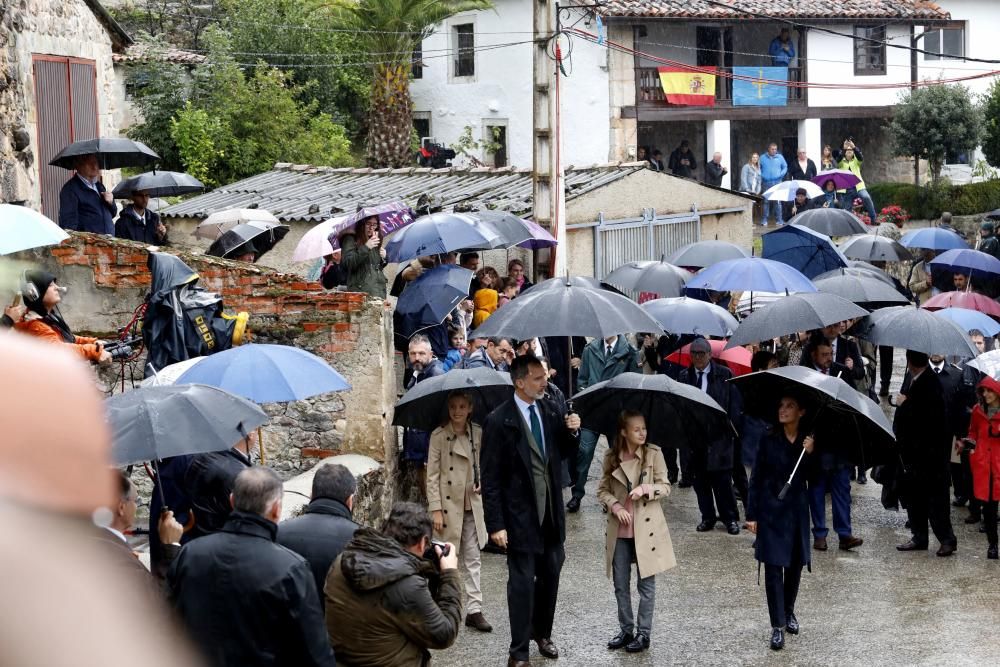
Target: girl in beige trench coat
column 633, row 483
column 454, row 497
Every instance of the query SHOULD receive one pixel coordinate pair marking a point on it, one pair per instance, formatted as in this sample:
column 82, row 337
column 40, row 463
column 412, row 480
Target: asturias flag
column 752, row 91
column 687, row 88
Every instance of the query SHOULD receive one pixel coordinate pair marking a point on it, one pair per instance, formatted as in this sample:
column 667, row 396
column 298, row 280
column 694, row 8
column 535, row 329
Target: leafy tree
column 390, row 30
column 934, row 121
column 991, row 123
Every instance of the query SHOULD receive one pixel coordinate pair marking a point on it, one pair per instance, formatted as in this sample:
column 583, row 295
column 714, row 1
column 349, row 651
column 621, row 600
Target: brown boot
column 819, row 544
column 849, row 542
column 479, row 622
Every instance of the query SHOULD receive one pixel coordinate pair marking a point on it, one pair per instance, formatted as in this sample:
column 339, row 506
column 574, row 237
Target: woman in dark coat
column 781, row 526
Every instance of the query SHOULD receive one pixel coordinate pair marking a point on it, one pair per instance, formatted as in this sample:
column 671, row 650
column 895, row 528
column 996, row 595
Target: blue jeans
column 779, row 214
column 838, row 483
column 584, row 457
column 866, row 199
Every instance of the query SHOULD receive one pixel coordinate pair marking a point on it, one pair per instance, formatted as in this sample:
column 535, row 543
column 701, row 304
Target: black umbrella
column 873, row 247
column 830, row 221
column 256, row 237
column 158, row 184
column 794, row 313
column 425, row 406
column 574, row 281
column 992, row 215
column 916, row 329
column 863, row 270
column 868, row 292
column 706, row 253
column 676, row 414
column 112, row 153
column 842, row 419
column 660, row 278
column 431, row 297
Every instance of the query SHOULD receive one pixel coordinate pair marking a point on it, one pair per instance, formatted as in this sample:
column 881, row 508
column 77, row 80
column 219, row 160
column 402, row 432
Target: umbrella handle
column 159, row 485
column 788, row 484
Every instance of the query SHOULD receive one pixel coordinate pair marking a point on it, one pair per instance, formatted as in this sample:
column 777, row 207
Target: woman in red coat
column 984, row 442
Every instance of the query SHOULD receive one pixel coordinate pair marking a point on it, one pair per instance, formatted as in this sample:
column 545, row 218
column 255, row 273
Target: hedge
column 929, row 202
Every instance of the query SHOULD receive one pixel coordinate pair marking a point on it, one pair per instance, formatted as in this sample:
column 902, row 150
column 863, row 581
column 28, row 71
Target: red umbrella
column 737, row 358
column 970, row 300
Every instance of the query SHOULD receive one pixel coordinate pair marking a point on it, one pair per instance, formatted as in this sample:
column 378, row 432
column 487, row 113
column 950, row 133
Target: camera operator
column 390, row 598
column 42, row 296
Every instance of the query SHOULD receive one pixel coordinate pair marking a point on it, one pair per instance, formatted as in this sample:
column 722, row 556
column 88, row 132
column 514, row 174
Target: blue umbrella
column 801, row 248
column 971, row 319
column 22, row 229
column 933, row 238
column 440, row 233
column 751, row 273
column 428, row 299
column 684, row 315
column 973, row 262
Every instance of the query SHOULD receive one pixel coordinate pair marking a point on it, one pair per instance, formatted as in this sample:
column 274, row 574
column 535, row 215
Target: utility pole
column 547, row 179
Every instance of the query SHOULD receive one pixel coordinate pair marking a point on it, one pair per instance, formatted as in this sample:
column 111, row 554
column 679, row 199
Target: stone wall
column 16, row 156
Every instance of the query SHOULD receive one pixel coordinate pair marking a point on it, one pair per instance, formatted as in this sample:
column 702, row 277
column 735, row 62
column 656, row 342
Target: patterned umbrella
column 391, row 217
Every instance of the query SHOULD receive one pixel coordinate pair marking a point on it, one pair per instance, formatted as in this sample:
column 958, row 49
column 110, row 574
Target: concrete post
column 811, row 138
column 719, row 140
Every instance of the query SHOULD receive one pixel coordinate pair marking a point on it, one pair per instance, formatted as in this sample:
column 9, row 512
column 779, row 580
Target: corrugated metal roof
column 313, row 194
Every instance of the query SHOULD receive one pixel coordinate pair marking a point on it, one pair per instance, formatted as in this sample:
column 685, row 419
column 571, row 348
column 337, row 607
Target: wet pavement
column 872, row 606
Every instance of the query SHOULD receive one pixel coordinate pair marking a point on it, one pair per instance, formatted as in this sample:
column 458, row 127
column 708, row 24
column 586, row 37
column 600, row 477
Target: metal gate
column 618, row 242
column 66, row 103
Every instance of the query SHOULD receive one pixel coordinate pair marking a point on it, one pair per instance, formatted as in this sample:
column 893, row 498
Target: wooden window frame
column 867, row 69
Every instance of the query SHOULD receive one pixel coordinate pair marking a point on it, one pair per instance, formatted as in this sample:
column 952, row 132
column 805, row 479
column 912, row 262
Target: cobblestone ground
column 873, row 606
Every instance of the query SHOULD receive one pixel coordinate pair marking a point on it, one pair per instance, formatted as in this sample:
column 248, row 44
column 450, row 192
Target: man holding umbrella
column 84, row 203
column 138, row 223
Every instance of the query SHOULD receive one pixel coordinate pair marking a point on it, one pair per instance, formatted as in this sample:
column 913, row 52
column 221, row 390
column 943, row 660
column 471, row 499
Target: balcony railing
column 649, row 92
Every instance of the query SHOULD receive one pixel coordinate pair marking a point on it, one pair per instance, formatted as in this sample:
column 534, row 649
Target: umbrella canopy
column 427, row 300
column 425, row 405
column 515, row 231
column 676, row 413
column 316, row 242
column 439, row 233
column 830, row 221
column 586, row 282
column 159, row 184
column 798, row 312
column 860, row 270
column 844, row 420
column 567, row 309
column 973, row 262
column 391, row 217
column 888, row 230
column 684, row 315
column 987, row 362
column 916, row 329
column 785, row 191
column 751, row 301
column 706, row 253
column 650, row 276
column 971, row 320
column 736, row 358
column 866, row 291
column 992, row 215
column 219, row 222
column 874, row 248
column 751, row 273
column 809, row 252
column 842, row 178
column 112, row 153
column 969, row 300
column 168, row 375
column 267, row 373
column 151, row 423
column 933, row 238
column 256, row 237
column 23, row 228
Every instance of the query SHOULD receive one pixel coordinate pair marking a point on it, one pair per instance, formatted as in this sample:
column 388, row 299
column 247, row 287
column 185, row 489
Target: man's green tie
column 536, row 429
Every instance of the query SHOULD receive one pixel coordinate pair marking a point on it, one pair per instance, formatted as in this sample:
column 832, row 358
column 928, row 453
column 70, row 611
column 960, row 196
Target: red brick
column 316, row 453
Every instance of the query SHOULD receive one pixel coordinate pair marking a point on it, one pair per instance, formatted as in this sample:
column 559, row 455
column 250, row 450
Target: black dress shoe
column 639, row 644
column 672, row 477
column 792, row 624
column 991, row 552
column 684, row 483
column 912, row 546
column 479, row 622
column 514, row 662
column 733, row 528
column 947, row 550
column 862, row 477
column 777, row 639
column 706, row 526
column 621, row 640
column 547, row 648
column 973, row 518
column 959, row 501
column 573, row 505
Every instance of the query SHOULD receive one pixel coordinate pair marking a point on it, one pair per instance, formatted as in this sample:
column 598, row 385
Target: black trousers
column 671, row 455
column 930, row 503
column 990, row 520
column 532, row 589
column 885, row 365
column 740, row 481
column 715, row 492
column 781, row 584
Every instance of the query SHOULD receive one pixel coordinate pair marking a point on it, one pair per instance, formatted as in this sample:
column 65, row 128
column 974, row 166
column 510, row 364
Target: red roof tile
column 787, row 9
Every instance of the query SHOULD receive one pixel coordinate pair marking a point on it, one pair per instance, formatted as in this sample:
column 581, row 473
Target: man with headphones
column 42, row 295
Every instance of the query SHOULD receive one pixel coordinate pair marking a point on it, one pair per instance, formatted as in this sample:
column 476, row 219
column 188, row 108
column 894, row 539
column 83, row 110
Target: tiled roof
column 788, row 9
column 141, row 52
column 313, row 194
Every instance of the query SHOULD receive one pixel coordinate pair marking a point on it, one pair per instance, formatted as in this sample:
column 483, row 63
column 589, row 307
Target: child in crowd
column 457, row 350
column 508, row 290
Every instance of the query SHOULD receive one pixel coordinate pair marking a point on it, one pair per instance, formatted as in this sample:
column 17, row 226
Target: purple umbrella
column 841, row 178
column 540, row 238
column 392, row 216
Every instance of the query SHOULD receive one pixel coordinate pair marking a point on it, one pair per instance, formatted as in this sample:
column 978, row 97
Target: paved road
column 874, row 606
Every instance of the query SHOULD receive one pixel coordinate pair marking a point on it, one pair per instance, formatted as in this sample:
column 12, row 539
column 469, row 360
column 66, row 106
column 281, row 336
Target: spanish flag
column 687, row 88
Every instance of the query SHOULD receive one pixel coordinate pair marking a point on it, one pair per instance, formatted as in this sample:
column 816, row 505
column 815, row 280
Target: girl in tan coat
column 633, row 483
column 454, row 497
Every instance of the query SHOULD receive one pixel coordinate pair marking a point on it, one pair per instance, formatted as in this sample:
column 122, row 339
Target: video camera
column 434, row 155
column 122, row 350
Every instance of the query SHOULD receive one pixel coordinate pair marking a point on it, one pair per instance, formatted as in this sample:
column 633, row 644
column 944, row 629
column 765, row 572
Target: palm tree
column 391, row 30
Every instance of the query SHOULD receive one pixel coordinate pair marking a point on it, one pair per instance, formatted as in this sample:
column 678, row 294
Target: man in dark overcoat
column 524, row 445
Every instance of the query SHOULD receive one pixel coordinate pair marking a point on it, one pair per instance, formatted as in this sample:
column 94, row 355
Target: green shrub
column 929, row 202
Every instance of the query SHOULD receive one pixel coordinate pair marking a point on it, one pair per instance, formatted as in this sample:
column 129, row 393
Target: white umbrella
column 23, row 228
column 785, row 191
column 220, row 222
column 316, row 242
column 168, row 374
column 751, row 301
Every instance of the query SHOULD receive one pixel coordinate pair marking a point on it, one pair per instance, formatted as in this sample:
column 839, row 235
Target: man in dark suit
column 713, row 468
column 924, row 437
column 423, row 365
column 137, row 223
column 84, row 203
column 846, row 354
column 326, row 526
column 524, row 445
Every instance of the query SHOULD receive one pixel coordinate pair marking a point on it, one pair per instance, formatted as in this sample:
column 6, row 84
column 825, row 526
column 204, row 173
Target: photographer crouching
column 392, row 595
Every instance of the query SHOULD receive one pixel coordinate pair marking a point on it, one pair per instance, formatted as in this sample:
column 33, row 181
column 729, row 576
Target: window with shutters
column 869, row 50
column 66, row 111
column 465, row 50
